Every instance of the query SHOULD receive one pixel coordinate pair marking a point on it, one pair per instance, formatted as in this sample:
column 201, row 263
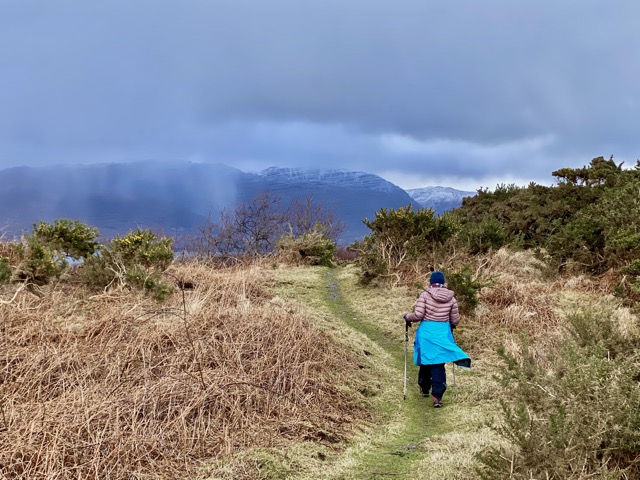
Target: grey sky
column 457, row 93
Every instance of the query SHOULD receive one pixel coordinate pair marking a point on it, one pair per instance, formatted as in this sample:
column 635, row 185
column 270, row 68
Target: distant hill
column 353, row 196
column 177, row 197
column 440, row 199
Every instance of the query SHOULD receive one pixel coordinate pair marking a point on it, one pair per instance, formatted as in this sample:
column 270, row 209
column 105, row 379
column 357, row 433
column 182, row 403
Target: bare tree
column 206, row 243
column 254, row 227
column 306, row 215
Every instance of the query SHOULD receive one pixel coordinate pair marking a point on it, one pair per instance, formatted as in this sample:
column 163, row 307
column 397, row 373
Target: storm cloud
column 421, row 92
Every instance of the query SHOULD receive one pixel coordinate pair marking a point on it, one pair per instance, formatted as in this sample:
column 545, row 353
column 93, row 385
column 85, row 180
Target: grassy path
column 392, row 455
column 411, row 439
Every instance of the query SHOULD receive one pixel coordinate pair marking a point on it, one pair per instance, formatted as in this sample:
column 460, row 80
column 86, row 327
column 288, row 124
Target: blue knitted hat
column 437, row 277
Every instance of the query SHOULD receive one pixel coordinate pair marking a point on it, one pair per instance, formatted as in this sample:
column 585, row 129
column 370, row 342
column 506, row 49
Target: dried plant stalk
column 118, row 386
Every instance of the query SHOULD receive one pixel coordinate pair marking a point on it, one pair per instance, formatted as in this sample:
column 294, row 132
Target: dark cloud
column 421, row 90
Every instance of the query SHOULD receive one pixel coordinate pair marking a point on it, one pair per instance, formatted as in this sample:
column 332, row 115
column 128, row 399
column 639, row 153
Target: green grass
column 405, row 439
column 414, row 440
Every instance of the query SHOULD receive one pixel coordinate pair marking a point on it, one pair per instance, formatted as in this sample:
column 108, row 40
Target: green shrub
column 590, row 218
column 142, row 279
column 143, row 247
column 372, row 266
column 400, row 238
column 5, row 270
column 465, row 287
column 136, row 260
column 598, row 335
column 100, row 271
column 311, row 248
column 43, row 256
column 39, row 264
column 574, row 415
column 485, row 235
column 68, row 238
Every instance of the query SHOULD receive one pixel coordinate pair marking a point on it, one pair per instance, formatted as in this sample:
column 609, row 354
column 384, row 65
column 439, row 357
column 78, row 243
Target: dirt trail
column 405, row 446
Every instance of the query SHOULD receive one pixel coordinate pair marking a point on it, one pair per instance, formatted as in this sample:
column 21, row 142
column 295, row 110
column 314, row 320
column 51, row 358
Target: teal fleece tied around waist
column 434, row 344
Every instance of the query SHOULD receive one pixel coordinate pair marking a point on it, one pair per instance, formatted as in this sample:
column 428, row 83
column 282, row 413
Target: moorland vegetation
column 121, row 360
column 574, row 393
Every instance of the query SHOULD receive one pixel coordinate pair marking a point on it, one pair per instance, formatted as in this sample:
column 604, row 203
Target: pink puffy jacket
column 437, row 304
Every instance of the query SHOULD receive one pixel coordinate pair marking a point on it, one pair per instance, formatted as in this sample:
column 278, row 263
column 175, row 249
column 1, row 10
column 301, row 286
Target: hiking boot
column 437, row 402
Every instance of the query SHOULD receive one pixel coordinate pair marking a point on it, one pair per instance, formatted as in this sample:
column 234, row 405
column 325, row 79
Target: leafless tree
column 205, row 244
column 307, row 215
column 254, row 227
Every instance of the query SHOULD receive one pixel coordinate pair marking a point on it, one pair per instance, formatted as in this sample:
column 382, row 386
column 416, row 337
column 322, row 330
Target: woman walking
column 437, row 311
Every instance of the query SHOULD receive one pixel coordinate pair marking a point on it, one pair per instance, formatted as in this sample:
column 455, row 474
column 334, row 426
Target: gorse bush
column 43, row 256
column 67, row 238
column 140, row 278
column 144, row 248
column 484, row 235
column 598, row 335
column 589, row 220
column 39, row 264
column 465, row 287
column 575, row 414
column 311, row 248
column 401, row 238
column 5, row 270
column 136, row 260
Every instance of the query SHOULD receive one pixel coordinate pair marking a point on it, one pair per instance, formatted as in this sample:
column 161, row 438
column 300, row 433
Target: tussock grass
column 522, row 296
column 515, row 264
column 253, row 373
column 452, row 455
column 518, row 298
column 118, row 386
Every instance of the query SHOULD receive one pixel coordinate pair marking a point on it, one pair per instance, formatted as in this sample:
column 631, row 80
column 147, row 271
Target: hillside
column 271, row 371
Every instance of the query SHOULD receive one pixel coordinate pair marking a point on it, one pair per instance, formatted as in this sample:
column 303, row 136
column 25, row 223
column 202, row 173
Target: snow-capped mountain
column 335, row 177
column 178, row 197
column 353, row 196
column 440, row 199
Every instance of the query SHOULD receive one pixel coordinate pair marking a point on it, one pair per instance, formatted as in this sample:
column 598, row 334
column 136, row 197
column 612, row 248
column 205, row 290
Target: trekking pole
column 453, row 365
column 406, row 342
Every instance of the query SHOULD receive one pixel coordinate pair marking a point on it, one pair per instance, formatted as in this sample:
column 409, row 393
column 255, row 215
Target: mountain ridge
column 178, row 197
column 347, row 178
column 438, row 197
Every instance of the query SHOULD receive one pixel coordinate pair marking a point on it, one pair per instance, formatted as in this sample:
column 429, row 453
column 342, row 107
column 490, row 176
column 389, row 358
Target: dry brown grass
column 121, row 387
column 522, row 297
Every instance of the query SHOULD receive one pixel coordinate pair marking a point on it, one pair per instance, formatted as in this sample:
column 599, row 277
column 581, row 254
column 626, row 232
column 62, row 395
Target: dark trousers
column 434, row 378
